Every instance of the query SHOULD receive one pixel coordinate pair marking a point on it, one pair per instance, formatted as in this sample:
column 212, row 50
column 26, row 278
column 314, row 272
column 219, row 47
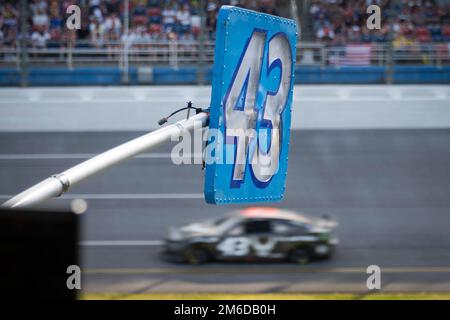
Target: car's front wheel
column 196, row 255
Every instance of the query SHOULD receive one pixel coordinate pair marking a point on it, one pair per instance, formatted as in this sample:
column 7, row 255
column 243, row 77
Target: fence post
column 294, row 15
column 390, row 50
column 323, row 54
column 201, row 45
column 69, row 56
column 389, row 62
column 125, row 43
column 23, row 43
column 173, row 53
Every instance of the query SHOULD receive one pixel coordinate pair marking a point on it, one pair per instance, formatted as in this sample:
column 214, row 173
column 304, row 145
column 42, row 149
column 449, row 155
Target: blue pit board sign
column 250, row 112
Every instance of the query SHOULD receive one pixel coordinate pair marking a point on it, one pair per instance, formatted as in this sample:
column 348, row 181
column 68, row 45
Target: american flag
column 355, row 55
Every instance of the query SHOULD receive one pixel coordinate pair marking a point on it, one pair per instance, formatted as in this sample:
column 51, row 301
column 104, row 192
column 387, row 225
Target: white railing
column 380, row 54
column 174, row 53
column 179, row 53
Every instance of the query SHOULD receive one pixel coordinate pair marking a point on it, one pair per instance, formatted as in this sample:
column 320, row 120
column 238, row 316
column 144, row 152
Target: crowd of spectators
column 409, row 23
column 338, row 22
column 102, row 21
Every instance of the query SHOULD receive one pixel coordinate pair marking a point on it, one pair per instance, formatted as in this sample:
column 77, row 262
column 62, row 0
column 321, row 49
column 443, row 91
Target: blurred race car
column 257, row 233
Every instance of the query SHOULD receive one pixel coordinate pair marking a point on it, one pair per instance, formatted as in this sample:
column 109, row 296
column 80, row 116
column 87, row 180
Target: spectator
column 38, row 6
column 346, row 19
column 9, row 38
column 102, row 20
column 141, row 36
column 96, row 33
column 325, row 33
column 113, row 6
column 169, row 15
column 94, row 5
column 211, row 18
column 40, row 37
column 56, row 22
column 196, row 24
column 184, row 20
column 211, row 6
column 354, row 34
column 40, row 19
column 113, row 26
column 10, row 16
column 333, row 21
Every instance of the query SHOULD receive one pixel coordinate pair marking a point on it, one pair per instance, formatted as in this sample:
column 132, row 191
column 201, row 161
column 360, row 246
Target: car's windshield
column 218, row 222
column 226, row 223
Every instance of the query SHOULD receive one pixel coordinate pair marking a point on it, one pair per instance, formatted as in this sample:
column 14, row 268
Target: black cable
column 189, row 106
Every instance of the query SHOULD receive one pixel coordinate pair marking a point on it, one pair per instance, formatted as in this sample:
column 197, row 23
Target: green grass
column 266, row 296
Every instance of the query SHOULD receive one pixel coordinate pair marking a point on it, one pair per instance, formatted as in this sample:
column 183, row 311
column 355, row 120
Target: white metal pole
column 56, row 185
column 126, row 42
column 23, row 43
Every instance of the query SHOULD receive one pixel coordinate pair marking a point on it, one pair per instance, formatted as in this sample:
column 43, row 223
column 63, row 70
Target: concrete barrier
column 61, row 76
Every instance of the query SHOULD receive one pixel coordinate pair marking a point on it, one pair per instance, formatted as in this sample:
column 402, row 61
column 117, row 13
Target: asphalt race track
column 389, row 189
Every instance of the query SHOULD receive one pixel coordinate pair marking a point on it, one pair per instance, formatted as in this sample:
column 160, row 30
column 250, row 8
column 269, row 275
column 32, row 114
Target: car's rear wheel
column 299, row 256
column 196, row 255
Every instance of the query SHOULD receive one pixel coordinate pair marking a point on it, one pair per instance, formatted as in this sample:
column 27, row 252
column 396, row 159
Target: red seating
column 422, row 31
column 139, row 20
column 423, row 34
column 155, row 28
column 406, row 31
column 446, row 31
column 195, row 31
column 151, row 12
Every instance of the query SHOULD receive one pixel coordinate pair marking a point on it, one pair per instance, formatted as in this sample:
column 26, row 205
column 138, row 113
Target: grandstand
column 102, row 21
column 180, row 33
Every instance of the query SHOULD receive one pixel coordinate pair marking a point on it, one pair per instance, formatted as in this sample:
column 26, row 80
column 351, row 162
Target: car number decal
column 240, row 246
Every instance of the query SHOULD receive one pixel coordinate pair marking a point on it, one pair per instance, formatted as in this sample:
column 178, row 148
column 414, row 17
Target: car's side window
column 257, row 226
column 281, row 227
column 284, row 227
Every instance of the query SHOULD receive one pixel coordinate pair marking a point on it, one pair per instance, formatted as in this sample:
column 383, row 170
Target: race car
column 253, row 234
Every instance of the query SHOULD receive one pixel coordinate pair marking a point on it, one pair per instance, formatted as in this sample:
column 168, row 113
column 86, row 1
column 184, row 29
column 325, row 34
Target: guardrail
column 167, row 62
column 168, row 53
column 181, row 53
column 377, row 54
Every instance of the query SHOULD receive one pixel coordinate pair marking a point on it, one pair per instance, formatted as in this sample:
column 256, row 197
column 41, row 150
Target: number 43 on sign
column 250, row 108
